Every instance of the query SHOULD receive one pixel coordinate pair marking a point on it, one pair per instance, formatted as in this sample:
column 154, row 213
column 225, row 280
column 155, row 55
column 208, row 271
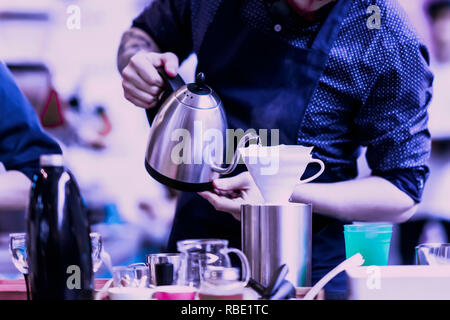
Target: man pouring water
column 315, row 71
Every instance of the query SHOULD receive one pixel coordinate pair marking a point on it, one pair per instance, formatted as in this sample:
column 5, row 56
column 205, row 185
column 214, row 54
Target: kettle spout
column 226, row 170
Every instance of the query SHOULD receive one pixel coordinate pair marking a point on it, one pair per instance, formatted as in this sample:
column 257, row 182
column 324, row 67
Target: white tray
column 399, row 283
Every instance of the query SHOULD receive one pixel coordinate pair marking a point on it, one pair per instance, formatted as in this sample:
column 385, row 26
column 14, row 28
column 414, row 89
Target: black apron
column 264, row 83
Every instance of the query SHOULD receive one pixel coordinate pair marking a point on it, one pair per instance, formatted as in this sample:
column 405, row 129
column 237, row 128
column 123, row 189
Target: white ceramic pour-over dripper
column 277, row 170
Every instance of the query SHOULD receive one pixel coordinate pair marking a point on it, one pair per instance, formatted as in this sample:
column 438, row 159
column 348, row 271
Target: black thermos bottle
column 58, row 242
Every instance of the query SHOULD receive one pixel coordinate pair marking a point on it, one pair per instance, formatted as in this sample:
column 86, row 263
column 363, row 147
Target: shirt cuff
column 411, row 180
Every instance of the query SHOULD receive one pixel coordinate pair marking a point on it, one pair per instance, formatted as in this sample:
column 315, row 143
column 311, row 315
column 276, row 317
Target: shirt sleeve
column 22, row 140
column 392, row 122
column 168, row 22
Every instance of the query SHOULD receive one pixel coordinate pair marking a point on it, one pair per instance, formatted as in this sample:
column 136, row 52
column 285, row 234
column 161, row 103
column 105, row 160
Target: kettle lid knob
column 200, row 78
column 199, row 87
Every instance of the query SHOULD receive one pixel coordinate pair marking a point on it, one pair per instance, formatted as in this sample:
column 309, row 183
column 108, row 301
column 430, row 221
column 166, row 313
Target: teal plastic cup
column 371, row 240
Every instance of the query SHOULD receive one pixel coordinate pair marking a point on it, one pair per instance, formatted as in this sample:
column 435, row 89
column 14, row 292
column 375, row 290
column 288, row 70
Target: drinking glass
column 163, row 265
column 141, row 275
column 123, row 276
column 433, row 254
column 18, row 252
column 97, row 247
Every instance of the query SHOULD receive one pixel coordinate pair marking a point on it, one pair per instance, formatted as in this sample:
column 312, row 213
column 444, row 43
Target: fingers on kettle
column 145, row 66
column 170, row 62
column 130, row 90
column 221, row 203
column 131, row 77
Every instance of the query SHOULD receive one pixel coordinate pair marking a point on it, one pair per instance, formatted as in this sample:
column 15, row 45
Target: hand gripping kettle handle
column 245, row 264
column 171, row 84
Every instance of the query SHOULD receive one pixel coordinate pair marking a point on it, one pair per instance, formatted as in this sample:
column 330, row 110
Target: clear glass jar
column 197, row 255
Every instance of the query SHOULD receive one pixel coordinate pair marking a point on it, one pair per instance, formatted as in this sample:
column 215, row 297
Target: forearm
column 368, row 199
column 134, row 40
column 14, row 191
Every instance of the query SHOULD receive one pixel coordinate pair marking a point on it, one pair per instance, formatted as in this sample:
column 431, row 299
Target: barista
column 22, row 141
column 315, row 71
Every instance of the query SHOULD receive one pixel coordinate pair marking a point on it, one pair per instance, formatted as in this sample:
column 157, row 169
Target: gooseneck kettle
column 188, row 136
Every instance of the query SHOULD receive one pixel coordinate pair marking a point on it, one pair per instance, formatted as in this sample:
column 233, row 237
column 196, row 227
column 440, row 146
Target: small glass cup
column 130, row 283
column 18, row 251
column 97, row 247
column 123, row 276
column 141, row 276
column 159, row 263
column 433, row 254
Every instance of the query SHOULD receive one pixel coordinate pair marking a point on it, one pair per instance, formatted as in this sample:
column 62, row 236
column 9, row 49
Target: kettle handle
column 171, row 84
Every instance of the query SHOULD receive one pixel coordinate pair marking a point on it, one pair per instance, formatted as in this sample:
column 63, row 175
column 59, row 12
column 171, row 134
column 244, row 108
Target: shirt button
column 277, row 28
column 420, row 183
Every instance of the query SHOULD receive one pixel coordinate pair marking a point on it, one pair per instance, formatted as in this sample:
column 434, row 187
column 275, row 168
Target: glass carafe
column 199, row 254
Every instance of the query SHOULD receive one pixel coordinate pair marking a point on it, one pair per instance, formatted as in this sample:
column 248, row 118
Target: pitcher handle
column 322, row 169
column 245, row 264
column 137, row 264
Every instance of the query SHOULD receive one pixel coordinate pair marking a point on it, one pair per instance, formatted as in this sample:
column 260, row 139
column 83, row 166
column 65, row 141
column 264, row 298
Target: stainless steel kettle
column 188, row 136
